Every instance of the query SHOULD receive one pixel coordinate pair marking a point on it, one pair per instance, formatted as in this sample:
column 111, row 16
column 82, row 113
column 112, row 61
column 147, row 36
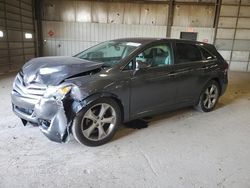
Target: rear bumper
column 47, row 113
column 223, row 84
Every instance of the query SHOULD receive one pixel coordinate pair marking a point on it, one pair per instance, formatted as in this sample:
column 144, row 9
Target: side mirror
column 140, row 65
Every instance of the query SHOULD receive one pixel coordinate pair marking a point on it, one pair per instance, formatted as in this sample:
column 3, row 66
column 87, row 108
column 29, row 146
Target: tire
column 97, row 123
column 209, row 97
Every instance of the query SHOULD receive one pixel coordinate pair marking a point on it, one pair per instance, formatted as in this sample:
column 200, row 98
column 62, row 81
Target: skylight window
column 28, row 35
column 1, row 34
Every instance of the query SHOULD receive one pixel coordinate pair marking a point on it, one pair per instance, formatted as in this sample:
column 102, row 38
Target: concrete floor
column 184, row 148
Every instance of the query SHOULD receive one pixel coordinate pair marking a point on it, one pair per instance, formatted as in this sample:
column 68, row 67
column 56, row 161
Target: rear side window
column 206, row 54
column 187, row 53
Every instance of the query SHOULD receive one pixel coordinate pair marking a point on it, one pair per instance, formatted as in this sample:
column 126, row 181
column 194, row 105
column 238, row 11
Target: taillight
column 226, row 68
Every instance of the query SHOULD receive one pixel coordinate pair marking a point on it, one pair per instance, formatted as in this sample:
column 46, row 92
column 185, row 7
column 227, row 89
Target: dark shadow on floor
column 137, row 124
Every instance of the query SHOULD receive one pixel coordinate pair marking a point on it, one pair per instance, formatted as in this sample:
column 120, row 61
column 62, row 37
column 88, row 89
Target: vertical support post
column 22, row 29
column 7, row 37
column 235, row 29
column 38, row 9
column 216, row 17
column 170, row 17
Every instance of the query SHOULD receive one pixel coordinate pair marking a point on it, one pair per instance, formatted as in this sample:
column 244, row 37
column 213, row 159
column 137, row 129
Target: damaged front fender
column 54, row 113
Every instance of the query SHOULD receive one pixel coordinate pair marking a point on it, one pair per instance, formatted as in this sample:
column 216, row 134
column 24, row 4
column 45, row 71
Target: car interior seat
column 160, row 57
column 168, row 59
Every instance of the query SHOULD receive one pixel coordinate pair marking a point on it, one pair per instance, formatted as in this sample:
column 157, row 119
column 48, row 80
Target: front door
column 152, row 84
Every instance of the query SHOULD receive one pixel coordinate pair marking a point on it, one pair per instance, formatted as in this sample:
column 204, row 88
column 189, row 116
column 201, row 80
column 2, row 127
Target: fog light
column 44, row 123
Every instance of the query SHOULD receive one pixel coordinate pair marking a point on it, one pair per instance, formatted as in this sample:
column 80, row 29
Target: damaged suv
column 92, row 93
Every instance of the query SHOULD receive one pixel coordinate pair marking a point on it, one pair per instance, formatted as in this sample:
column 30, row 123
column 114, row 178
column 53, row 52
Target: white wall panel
column 225, row 54
column 116, row 13
column 243, row 34
column 226, row 22
column 240, row 56
column 132, row 13
column 238, row 66
column 225, row 33
column 244, row 11
column 70, row 38
column 195, row 16
column 228, row 10
column 83, row 11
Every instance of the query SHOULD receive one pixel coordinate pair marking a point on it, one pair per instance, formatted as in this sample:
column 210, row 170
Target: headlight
column 64, row 90
column 57, row 92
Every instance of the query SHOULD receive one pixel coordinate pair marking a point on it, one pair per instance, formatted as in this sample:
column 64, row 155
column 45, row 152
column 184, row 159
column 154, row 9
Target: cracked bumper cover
column 52, row 119
column 49, row 114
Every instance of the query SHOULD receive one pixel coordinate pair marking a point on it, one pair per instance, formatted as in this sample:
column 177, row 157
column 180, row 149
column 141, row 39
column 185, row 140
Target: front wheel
column 97, row 123
column 209, row 97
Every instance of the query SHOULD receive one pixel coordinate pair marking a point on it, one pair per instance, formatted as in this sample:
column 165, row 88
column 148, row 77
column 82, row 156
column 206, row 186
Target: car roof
column 146, row 40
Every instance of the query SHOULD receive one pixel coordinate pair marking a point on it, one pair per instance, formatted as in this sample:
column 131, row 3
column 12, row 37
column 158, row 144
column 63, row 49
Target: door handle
column 172, row 74
column 205, row 67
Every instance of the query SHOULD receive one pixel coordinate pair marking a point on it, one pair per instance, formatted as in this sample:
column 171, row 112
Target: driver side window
column 155, row 56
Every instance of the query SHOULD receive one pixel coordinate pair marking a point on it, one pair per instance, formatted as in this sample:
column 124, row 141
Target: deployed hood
column 53, row 70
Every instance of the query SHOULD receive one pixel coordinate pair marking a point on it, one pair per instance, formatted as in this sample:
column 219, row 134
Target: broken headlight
column 57, row 92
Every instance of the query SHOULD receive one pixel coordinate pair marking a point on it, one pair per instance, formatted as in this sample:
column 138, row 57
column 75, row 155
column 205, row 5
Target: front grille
column 32, row 91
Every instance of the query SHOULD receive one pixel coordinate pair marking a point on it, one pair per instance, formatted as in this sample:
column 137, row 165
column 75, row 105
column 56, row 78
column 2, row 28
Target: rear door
column 189, row 69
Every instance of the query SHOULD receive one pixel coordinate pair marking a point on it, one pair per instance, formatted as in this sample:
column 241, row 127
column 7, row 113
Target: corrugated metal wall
column 233, row 34
column 194, row 18
column 72, row 37
column 72, row 26
column 16, row 19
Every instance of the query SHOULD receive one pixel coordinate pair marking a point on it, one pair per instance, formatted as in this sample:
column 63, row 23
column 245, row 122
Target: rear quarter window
column 187, row 53
column 206, row 55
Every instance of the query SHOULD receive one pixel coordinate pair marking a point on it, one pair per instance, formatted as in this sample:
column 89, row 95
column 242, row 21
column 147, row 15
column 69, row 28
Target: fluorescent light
column 28, row 35
column 1, row 34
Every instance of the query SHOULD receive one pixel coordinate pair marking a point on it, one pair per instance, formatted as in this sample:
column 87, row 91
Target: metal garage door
column 17, row 43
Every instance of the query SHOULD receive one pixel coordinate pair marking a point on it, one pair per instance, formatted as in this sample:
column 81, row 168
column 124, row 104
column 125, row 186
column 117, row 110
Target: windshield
column 110, row 53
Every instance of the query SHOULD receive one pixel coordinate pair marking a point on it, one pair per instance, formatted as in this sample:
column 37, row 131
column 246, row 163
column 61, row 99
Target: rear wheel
column 97, row 123
column 209, row 97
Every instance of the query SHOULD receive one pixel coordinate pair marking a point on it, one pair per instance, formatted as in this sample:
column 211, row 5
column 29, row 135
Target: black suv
column 116, row 81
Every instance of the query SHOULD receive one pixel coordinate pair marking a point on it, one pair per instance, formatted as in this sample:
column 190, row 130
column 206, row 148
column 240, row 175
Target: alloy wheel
column 98, row 122
column 210, row 96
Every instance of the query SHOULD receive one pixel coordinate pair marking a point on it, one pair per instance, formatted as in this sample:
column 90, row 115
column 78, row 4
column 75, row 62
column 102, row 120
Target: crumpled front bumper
column 48, row 113
column 52, row 119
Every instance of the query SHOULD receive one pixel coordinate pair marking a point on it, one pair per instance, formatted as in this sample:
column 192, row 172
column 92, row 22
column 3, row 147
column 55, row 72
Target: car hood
column 53, row 70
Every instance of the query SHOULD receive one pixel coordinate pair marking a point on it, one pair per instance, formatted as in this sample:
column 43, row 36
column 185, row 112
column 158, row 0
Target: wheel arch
column 96, row 96
column 216, row 79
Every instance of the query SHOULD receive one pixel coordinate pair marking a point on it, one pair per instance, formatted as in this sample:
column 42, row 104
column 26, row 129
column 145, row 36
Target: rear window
column 187, row 53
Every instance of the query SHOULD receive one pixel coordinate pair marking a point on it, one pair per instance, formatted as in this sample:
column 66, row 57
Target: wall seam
column 236, row 25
